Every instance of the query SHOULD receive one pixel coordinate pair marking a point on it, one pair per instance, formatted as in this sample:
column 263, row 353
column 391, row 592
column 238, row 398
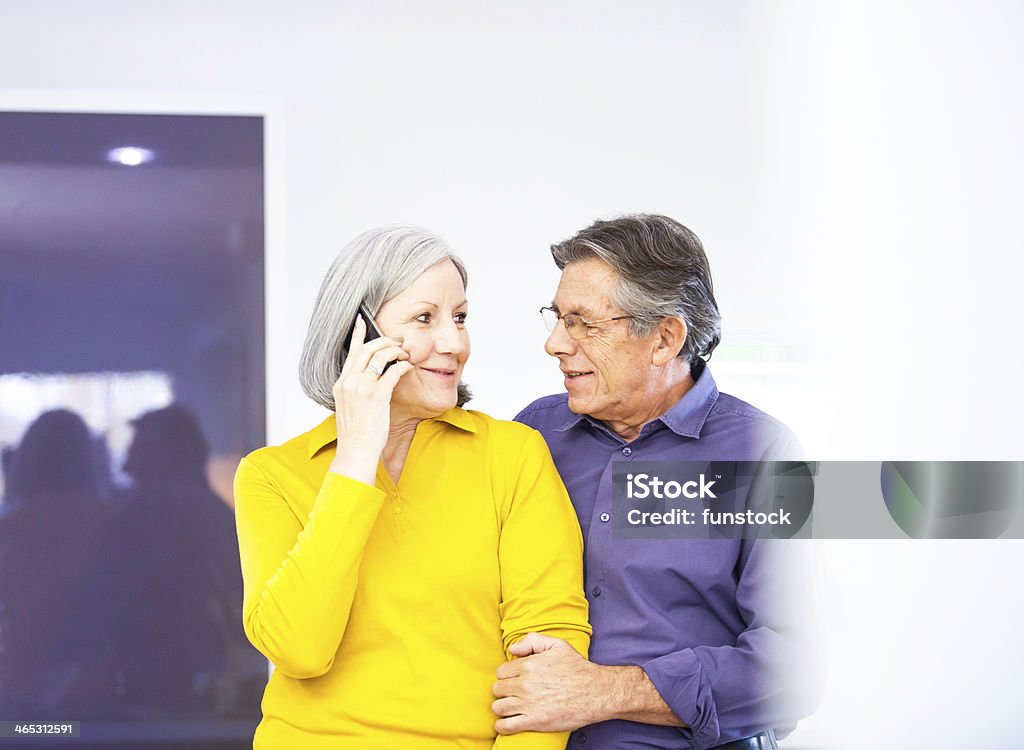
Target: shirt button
column 596, row 591
column 605, row 517
column 627, row 451
column 398, row 509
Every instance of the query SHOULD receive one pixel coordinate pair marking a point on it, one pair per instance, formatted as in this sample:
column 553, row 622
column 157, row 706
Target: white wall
column 854, row 170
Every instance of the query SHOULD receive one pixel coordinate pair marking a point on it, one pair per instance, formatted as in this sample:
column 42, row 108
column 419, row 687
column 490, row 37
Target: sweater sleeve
column 299, row 581
column 541, row 558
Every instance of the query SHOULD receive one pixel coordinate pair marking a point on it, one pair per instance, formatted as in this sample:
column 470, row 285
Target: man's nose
column 559, row 341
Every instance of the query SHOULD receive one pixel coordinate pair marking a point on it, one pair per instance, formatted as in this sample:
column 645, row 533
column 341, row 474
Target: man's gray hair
column 663, row 272
column 372, row 268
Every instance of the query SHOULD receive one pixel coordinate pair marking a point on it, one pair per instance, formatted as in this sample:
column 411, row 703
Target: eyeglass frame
column 587, row 324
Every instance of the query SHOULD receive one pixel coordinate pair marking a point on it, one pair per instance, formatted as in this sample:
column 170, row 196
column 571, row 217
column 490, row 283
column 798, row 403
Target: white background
column 854, row 170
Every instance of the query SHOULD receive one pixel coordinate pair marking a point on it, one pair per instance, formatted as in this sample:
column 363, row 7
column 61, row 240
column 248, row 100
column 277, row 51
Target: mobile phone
column 372, row 332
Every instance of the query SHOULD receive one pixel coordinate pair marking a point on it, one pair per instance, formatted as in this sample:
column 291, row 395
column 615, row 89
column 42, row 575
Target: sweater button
column 596, row 591
column 605, row 518
column 627, row 451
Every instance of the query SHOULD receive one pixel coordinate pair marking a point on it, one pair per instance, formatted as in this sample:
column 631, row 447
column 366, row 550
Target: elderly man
column 693, row 641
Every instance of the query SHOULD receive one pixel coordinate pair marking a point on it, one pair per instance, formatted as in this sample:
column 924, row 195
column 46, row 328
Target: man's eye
column 460, row 318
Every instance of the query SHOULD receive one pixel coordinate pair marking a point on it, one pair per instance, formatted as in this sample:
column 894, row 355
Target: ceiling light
column 130, row 156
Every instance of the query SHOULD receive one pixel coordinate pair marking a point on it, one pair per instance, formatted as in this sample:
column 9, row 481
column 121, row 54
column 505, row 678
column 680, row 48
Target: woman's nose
column 450, row 339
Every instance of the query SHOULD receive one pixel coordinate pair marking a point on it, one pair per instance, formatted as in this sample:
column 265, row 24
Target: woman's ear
column 671, row 335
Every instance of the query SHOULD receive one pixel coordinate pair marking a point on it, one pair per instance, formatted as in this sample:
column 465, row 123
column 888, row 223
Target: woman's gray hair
column 372, row 268
column 663, row 272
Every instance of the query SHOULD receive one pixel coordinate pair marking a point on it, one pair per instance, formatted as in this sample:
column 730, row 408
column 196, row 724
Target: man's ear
column 671, row 335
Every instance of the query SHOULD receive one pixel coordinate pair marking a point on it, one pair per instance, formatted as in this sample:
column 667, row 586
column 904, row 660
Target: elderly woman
column 393, row 554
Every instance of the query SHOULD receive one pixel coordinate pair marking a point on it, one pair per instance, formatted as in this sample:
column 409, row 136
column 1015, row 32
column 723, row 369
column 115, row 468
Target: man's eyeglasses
column 577, row 327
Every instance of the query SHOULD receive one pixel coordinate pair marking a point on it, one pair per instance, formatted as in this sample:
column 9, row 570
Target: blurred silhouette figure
column 49, row 526
column 171, row 587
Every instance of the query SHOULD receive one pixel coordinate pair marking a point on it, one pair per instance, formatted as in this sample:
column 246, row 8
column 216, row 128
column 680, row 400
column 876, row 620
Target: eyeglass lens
column 573, row 323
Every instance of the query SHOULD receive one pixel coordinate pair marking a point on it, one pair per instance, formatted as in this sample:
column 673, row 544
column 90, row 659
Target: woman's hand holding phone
column 362, row 402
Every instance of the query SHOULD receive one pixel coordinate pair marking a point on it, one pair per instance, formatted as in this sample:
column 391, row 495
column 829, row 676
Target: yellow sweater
column 387, row 609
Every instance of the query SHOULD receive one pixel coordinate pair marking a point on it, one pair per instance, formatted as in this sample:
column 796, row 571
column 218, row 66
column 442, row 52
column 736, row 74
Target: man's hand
column 550, row 688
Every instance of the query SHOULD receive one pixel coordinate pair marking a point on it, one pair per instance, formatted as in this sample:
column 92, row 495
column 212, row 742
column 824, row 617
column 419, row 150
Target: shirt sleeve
column 541, row 557
column 772, row 675
column 299, row 581
column 762, row 681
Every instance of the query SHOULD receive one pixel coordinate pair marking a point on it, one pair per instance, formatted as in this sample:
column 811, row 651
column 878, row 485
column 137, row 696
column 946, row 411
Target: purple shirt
column 703, row 617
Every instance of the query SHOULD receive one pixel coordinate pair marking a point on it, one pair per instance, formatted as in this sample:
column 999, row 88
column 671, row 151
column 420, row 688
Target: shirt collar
column 458, row 417
column 686, row 417
column 326, row 432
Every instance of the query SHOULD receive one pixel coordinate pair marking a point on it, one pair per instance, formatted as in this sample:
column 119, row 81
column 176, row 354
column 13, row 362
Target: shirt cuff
column 342, row 494
column 685, row 688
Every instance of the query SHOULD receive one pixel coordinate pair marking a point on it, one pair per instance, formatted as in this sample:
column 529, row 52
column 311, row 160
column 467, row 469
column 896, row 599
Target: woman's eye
column 460, row 318
column 423, row 318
